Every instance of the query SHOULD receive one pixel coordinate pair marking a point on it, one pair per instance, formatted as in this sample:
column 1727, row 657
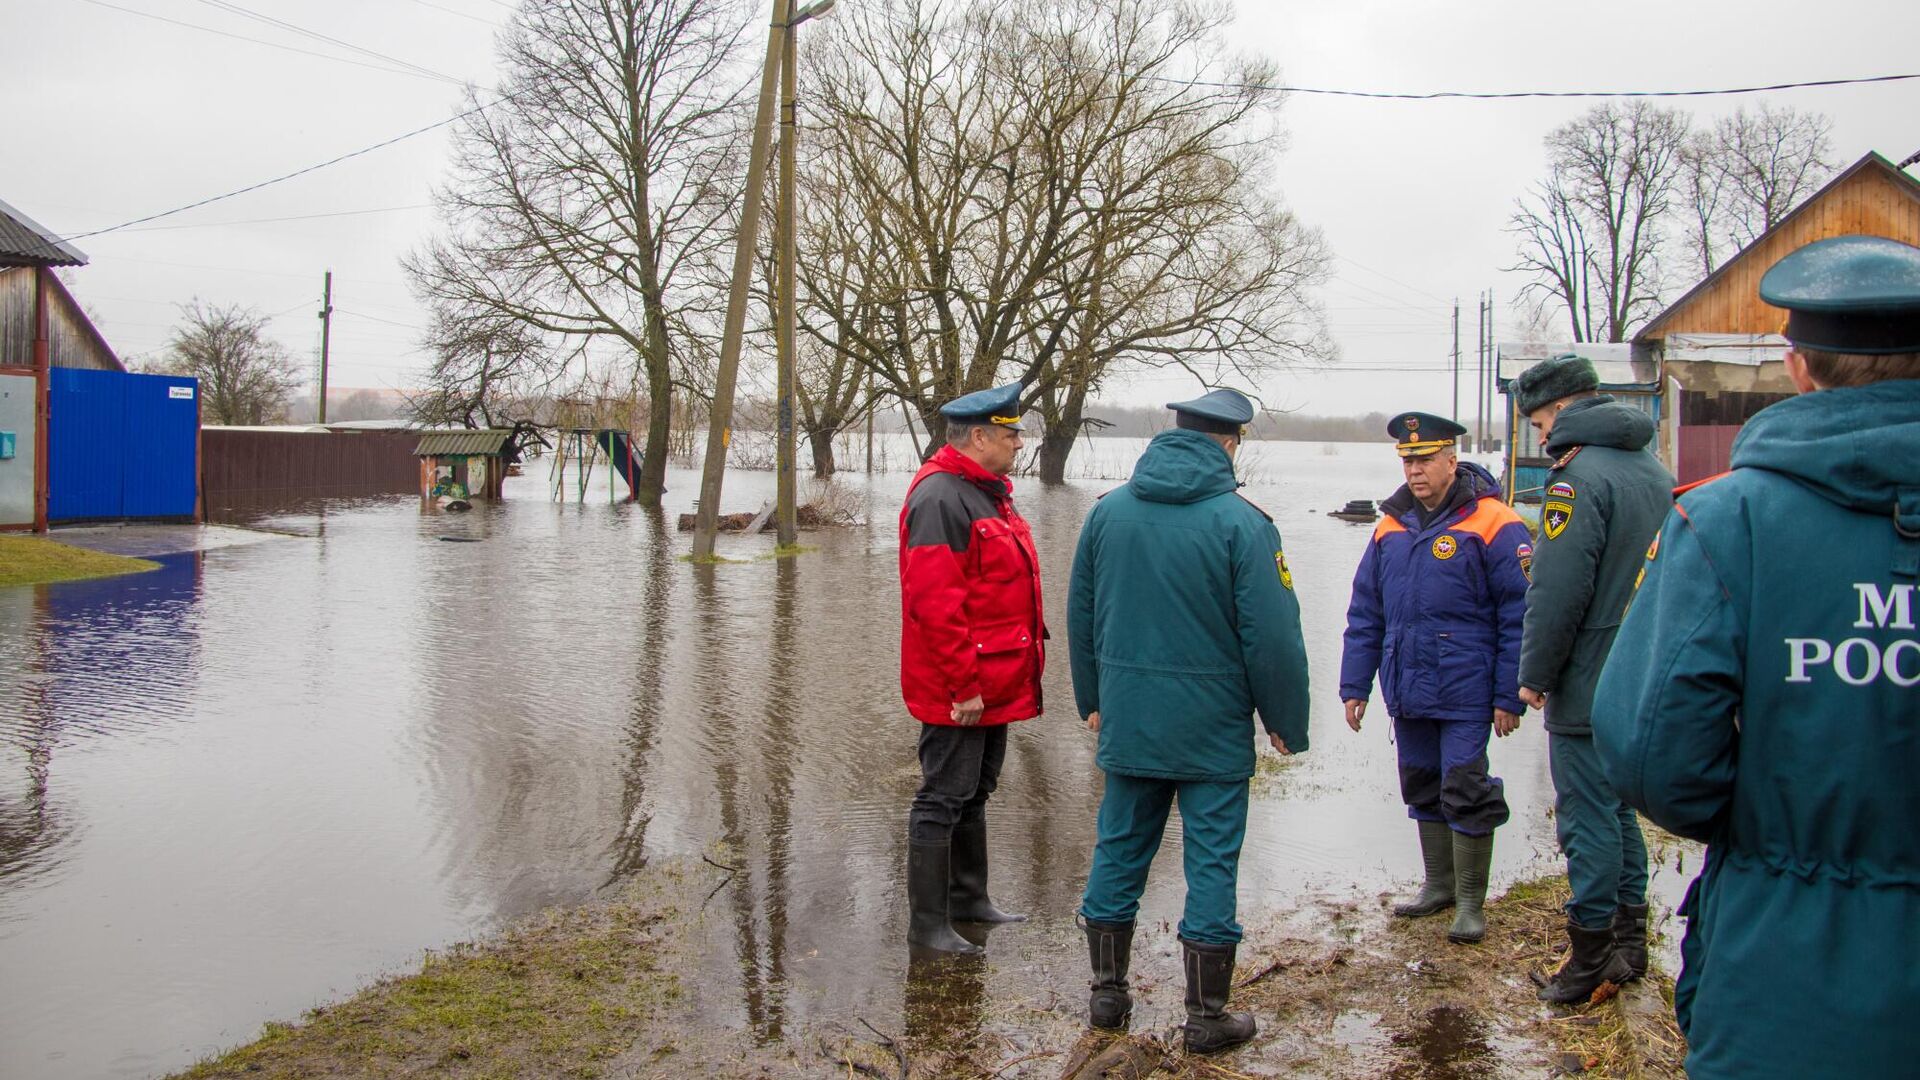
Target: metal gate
column 121, row 445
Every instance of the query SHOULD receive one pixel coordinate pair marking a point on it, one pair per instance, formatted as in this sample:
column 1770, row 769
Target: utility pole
column 1493, row 371
column 1480, row 391
column 786, row 524
column 719, row 425
column 326, row 338
column 1455, row 414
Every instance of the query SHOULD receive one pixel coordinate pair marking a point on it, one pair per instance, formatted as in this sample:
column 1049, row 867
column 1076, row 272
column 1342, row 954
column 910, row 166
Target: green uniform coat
column 1603, row 503
column 1764, row 696
column 1182, row 621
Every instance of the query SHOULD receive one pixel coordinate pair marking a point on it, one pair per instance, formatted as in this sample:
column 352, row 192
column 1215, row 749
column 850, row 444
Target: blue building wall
column 121, row 445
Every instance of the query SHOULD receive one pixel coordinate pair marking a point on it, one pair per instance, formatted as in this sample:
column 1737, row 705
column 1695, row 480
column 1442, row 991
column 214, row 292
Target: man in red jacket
column 971, row 653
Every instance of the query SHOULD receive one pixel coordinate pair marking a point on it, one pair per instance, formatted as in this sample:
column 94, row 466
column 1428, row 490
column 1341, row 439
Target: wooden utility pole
column 786, row 523
column 720, row 424
column 1480, row 391
column 326, row 339
column 1493, row 372
column 1455, row 414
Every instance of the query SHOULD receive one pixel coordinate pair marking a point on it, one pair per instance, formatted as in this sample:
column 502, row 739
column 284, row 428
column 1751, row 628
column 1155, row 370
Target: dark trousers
column 1443, row 774
column 959, row 768
column 1606, row 853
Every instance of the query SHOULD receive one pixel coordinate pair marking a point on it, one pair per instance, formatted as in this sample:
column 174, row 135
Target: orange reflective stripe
column 1487, row 520
column 1684, row 488
column 1388, row 525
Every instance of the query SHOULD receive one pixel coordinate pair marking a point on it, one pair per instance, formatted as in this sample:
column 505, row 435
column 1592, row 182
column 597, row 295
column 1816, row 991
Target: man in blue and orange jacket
column 1438, row 606
column 971, row 653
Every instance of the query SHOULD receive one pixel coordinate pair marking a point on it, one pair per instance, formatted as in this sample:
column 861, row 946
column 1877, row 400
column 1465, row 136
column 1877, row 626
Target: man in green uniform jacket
column 1762, row 694
column 1182, row 623
column 1604, row 500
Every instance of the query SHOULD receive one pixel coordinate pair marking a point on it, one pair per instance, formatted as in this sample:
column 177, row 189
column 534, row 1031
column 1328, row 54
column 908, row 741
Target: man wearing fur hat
column 1605, row 497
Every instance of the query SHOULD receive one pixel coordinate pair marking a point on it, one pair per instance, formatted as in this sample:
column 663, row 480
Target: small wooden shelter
column 459, row 451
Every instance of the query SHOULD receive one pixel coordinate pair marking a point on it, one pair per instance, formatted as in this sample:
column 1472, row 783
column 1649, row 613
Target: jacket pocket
column 996, row 551
column 1004, row 653
column 1463, row 671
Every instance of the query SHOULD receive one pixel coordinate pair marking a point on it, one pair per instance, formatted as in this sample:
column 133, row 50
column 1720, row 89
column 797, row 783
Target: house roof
column 1619, row 364
column 25, row 242
column 475, row 442
column 1871, row 160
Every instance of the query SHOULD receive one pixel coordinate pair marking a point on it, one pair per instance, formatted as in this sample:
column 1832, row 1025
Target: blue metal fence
column 121, row 445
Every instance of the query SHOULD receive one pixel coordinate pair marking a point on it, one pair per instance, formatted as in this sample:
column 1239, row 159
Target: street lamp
column 786, row 497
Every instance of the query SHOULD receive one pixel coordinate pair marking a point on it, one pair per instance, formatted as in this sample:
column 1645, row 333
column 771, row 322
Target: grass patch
column 33, row 560
column 561, row 995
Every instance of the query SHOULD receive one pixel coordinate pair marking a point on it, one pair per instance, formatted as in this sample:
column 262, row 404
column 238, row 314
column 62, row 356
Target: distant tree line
column 1639, row 201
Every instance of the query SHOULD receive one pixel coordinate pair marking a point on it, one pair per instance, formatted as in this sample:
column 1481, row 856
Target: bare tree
column 245, row 376
column 590, row 201
column 488, row 367
column 1592, row 233
column 1746, row 173
column 1041, row 190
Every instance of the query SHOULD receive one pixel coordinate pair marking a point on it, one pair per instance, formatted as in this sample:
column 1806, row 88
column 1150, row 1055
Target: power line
column 262, row 41
column 1429, row 95
column 1508, row 95
column 291, row 217
column 249, row 13
column 454, row 119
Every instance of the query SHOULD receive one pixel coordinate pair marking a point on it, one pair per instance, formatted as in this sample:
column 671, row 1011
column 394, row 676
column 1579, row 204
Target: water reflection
column 285, row 768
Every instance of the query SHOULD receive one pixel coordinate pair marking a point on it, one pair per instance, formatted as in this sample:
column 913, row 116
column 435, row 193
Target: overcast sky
column 114, row 115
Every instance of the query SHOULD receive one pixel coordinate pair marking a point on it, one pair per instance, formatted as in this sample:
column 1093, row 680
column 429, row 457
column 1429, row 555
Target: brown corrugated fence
column 245, row 468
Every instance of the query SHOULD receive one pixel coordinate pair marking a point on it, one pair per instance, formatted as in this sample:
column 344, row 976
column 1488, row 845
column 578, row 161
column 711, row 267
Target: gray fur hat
column 1550, row 380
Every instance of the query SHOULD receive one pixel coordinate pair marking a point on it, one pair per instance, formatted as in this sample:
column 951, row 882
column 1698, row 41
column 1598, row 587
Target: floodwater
column 254, row 780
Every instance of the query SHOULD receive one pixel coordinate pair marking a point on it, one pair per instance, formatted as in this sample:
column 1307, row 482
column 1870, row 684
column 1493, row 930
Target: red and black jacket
column 969, row 595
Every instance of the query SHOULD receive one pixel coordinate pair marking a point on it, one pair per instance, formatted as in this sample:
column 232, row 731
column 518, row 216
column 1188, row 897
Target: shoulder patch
column 1286, row 574
column 1561, row 490
column 1256, row 506
column 1554, row 516
column 1524, row 553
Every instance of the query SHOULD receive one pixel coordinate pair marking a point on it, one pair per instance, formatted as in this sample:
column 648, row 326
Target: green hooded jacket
column 1764, row 696
column 1603, row 503
column 1182, row 621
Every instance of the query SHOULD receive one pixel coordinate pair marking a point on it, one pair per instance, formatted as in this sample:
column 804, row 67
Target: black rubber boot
column 967, row 901
column 1210, row 1028
column 1630, row 937
column 1436, row 894
column 927, row 877
column 1472, row 856
column 1110, row 950
column 1591, row 960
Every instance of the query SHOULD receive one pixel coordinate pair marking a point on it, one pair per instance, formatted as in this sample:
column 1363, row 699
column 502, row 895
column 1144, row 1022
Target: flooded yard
column 252, row 781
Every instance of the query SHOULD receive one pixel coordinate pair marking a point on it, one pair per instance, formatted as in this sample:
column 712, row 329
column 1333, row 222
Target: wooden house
column 1720, row 344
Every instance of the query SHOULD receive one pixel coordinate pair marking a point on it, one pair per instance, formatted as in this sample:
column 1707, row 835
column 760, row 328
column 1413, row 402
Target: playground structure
column 586, row 430
column 582, row 447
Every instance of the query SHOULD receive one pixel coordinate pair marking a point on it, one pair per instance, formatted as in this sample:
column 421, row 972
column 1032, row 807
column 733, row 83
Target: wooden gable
column 1874, row 198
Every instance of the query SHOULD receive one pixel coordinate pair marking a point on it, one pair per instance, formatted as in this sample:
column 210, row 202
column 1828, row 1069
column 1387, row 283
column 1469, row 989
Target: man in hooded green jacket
column 1604, row 499
column 1182, row 623
column 1763, row 695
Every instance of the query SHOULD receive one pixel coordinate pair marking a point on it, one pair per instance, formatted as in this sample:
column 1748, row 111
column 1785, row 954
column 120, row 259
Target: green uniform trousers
column 1606, row 855
column 1133, row 815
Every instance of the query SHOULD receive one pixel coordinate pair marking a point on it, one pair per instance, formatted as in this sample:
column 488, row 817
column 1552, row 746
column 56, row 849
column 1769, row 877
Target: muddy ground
column 1340, row 990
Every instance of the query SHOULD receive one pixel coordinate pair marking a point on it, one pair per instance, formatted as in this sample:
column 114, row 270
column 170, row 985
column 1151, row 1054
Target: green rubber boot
column 1436, row 893
column 1472, row 856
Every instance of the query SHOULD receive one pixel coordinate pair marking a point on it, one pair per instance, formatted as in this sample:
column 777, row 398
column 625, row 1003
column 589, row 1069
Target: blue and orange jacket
column 1438, row 610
